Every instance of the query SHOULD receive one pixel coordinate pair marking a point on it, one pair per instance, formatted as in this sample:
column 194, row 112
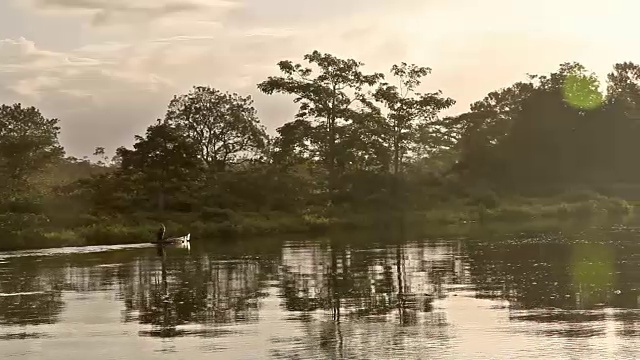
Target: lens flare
column 582, row 92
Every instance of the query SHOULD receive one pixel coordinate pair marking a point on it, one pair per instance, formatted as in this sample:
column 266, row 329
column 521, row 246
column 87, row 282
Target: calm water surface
column 503, row 298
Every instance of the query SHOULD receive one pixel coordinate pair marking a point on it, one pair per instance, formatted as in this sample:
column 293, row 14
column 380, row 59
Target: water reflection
column 171, row 291
column 336, row 298
column 397, row 281
column 30, row 294
column 562, row 276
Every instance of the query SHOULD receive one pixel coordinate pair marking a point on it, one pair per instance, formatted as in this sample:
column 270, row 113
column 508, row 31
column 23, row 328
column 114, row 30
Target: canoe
column 177, row 240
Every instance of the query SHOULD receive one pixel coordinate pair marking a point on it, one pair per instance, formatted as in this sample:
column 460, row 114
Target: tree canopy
column 359, row 141
column 28, row 144
column 223, row 126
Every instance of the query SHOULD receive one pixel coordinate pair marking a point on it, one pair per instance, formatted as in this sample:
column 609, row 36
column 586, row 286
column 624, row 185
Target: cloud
column 34, row 70
column 87, row 90
column 158, row 6
column 105, row 93
column 104, row 12
column 22, row 54
column 122, row 79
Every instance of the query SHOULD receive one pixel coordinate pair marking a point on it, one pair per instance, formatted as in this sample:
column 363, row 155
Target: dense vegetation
column 361, row 149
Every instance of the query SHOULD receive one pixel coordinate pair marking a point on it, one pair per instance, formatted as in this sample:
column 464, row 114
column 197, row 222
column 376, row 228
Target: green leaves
column 623, row 88
column 28, row 144
column 410, row 115
column 330, row 98
column 554, row 131
column 223, row 126
column 350, row 122
column 163, row 164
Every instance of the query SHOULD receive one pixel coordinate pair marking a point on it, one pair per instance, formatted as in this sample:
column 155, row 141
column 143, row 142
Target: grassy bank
column 455, row 218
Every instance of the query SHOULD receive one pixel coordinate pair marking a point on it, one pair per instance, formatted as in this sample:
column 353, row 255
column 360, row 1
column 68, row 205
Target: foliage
column 28, row 144
column 164, row 162
column 555, row 131
column 223, row 126
column 411, row 123
column 328, row 102
column 360, row 151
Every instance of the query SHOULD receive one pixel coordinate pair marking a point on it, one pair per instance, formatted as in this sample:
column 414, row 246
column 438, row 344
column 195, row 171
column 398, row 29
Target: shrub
column 116, row 234
column 515, row 213
column 63, row 238
column 616, row 206
column 217, row 214
column 446, row 216
column 579, row 195
column 563, row 211
column 487, row 198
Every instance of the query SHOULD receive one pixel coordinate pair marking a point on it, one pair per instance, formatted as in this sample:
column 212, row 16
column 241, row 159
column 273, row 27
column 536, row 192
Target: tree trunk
column 331, row 161
column 331, row 156
column 395, row 186
column 396, row 153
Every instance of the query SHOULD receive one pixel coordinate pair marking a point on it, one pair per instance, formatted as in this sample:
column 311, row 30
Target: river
column 527, row 296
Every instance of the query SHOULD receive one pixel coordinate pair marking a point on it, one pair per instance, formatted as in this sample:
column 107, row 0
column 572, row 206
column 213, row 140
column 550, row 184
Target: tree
column 162, row 163
column 103, row 158
column 551, row 142
column 486, row 125
column 28, row 144
column 223, row 126
column 295, row 144
column 623, row 88
column 327, row 100
column 541, row 134
column 411, row 117
column 364, row 146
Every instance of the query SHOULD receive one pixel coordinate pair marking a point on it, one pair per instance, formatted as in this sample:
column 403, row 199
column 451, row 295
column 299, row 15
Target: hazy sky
column 108, row 68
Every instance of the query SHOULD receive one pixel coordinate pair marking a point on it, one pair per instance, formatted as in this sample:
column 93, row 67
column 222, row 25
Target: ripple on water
column 71, row 250
column 527, row 296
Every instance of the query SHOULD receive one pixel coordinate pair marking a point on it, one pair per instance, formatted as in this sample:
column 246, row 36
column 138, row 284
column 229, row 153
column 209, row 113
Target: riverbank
column 451, row 218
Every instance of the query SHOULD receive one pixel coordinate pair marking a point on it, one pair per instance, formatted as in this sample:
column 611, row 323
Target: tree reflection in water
column 354, row 284
column 30, row 294
column 339, row 292
column 192, row 295
column 340, row 295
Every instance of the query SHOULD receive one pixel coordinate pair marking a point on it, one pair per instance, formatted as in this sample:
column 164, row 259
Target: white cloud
column 22, row 54
column 108, row 12
column 84, row 89
column 34, row 70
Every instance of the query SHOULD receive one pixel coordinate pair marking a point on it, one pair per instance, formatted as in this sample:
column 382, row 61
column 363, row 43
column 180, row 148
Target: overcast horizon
column 108, row 68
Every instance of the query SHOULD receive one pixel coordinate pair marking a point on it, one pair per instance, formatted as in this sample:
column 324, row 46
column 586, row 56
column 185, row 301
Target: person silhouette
column 160, row 233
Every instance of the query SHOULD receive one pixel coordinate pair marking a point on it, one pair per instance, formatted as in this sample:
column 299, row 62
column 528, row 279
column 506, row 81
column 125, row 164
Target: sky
column 107, row 69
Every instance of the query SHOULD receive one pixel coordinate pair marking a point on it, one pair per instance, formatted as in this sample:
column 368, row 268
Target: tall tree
column 488, row 122
column 162, row 162
column 295, row 144
column 223, row 126
column 623, row 87
column 411, row 117
column 621, row 123
column 328, row 100
column 537, row 134
column 28, row 144
column 546, row 146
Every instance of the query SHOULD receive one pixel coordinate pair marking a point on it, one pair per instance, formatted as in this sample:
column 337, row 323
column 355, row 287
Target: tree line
column 359, row 140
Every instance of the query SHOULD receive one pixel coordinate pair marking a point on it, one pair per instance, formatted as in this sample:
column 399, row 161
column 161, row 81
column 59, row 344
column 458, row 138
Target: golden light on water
column 593, row 271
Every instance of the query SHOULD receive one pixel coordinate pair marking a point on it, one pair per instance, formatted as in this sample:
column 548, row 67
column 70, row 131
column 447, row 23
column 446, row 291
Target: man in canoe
column 160, row 240
column 160, row 234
